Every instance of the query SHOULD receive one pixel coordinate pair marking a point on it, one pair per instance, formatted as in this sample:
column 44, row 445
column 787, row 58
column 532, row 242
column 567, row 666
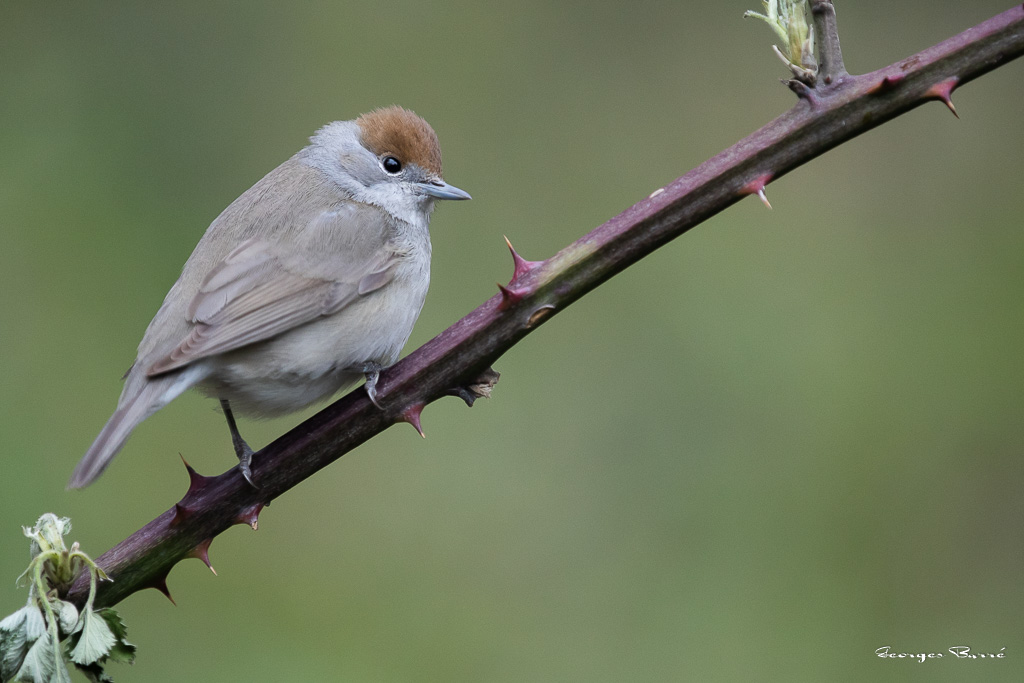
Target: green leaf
column 17, row 634
column 94, row 641
column 15, row 621
column 35, row 623
column 123, row 652
column 41, row 666
column 36, row 642
column 95, row 673
column 13, row 643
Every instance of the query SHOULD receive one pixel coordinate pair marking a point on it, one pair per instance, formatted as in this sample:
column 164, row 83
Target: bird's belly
column 278, row 394
column 310, row 363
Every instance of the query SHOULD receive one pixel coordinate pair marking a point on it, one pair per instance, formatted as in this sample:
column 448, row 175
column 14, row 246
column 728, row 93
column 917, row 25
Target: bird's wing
column 262, row 289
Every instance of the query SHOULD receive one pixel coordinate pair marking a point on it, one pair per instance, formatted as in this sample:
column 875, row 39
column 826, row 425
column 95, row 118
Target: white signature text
column 957, row 652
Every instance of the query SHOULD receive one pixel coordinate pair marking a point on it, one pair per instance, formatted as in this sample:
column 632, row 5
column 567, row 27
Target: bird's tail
column 141, row 398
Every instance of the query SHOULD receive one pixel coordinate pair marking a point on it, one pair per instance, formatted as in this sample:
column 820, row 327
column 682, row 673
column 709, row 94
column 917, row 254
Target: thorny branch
column 457, row 361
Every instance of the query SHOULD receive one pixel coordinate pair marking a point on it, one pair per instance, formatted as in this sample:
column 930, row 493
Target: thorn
column 196, row 481
column 181, row 513
column 656, row 193
column 202, row 552
column 463, row 393
column 756, row 186
column 803, row 91
column 250, row 516
column 540, row 314
column 942, row 91
column 887, row 83
column 161, row 585
column 412, row 416
column 522, row 266
column 510, row 296
column 764, row 198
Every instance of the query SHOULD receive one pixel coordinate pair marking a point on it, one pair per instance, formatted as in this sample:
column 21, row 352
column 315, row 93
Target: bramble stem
column 830, row 55
column 463, row 353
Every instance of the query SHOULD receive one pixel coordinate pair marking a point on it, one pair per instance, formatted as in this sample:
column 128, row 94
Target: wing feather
column 260, row 290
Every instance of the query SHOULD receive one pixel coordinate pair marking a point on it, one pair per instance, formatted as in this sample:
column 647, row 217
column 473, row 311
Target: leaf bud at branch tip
column 788, row 19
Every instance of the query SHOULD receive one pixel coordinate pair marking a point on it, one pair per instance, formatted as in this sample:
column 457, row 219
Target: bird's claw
column 244, row 463
column 372, row 372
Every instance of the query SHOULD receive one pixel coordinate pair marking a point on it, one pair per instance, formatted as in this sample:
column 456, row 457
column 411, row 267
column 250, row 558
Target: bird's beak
column 442, row 190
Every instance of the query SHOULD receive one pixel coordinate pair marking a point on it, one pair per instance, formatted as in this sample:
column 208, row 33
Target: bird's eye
column 392, row 165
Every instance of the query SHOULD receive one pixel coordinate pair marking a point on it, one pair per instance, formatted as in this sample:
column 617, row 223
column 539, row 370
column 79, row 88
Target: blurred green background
column 783, row 441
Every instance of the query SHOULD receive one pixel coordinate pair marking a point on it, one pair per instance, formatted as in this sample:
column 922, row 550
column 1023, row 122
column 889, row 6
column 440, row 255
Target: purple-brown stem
column 458, row 360
column 830, row 55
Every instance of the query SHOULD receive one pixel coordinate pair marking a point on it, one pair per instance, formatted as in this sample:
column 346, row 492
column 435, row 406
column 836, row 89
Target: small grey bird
column 309, row 281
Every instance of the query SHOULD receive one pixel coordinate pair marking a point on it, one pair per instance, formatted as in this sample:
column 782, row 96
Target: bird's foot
column 242, row 449
column 245, row 454
column 371, row 371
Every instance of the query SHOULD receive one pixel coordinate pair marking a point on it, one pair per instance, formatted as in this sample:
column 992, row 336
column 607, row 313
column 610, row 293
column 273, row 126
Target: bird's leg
column 371, row 371
column 242, row 449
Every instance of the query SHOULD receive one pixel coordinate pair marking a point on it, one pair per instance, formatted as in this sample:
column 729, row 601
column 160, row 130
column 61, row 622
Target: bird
column 308, row 282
